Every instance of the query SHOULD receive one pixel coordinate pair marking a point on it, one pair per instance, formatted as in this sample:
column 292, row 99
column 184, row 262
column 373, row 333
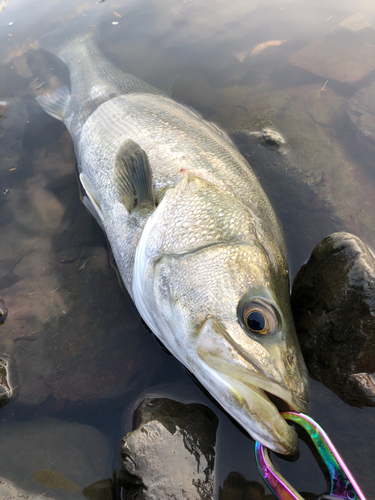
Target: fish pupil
column 256, row 321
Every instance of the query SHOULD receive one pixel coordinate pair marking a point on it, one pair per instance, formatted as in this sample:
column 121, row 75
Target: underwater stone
column 54, row 458
column 10, row 491
column 237, row 487
column 333, row 303
column 361, row 112
column 269, row 137
column 64, row 335
column 345, row 54
column 311, row 180
column 170, row 452
column 100, row 490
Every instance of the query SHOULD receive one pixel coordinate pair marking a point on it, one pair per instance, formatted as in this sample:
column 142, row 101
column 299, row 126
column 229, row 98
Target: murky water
column 76, row 348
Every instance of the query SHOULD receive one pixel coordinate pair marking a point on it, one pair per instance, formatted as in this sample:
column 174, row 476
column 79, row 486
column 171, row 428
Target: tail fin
column 80, row 28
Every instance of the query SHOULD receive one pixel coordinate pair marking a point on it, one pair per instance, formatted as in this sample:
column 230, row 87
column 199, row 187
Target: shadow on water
column 77, row 351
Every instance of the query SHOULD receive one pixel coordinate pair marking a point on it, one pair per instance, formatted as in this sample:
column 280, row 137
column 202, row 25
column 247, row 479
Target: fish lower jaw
column 252, row 407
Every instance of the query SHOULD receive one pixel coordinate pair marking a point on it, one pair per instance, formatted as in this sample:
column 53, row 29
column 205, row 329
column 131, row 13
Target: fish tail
column 81, row 29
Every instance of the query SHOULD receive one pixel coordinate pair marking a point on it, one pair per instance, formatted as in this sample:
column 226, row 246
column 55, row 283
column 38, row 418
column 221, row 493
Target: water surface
column 77, row 348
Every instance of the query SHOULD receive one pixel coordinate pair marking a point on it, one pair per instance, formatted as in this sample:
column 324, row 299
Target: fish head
column 213, row 285
column 230, row 318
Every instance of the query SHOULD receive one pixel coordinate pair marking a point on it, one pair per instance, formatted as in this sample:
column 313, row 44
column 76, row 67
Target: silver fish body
column 194, row 236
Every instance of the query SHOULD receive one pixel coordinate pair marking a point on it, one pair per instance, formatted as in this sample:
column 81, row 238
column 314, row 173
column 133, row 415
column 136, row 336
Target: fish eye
column 259, row 318
column 256, row 321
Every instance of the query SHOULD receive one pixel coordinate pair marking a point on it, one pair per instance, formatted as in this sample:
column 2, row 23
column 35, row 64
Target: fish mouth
column 259, row 413
column 299, row 406
column 252, row 398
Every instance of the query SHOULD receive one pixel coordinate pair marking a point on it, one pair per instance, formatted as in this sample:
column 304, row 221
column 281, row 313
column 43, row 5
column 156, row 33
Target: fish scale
column 196, row 217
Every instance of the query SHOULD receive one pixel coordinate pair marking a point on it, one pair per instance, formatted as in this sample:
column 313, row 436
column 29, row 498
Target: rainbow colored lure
column 342, row 485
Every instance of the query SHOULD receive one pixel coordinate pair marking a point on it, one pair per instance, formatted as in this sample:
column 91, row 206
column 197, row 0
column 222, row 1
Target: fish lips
column 254, row 400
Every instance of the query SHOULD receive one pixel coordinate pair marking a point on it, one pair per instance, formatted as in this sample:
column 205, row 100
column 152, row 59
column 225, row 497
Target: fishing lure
column 341, row 484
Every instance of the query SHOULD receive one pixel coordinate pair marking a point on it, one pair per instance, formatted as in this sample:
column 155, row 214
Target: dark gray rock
column 333, row 303
column 170, row 453
column 361, row 112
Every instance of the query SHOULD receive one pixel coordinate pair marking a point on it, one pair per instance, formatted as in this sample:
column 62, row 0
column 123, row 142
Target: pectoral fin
column 55, row 104
column 133, row 177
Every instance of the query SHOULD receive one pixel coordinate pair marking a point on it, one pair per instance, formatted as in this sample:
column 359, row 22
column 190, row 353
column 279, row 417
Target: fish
column 194, row 236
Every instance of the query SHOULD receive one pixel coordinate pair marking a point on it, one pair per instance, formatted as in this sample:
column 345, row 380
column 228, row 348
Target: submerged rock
column 333, row 303
column 361, row 112
column 345, row 54
column 53, row 458
column 10, row 491
column 311, row 180
column 237, row 487
column 269, row 137
column 170, row 452
column 100, row 490
column 70, row 341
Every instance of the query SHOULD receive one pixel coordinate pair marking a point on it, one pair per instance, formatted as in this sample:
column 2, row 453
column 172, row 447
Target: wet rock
column 361, row 112
column 345, row 54
column 53, row 458
column 3, row 311
column 269, row 137
column 6, row 386
column 170, row 453
column 333, row 303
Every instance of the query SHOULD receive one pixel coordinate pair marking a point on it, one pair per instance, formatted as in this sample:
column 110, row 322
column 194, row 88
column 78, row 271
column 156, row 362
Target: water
column 76, row 346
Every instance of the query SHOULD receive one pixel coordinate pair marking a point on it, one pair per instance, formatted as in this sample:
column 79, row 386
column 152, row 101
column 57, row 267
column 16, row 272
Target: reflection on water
column 74, row 345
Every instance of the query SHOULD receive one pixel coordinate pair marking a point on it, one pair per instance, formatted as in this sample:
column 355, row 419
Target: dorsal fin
column 133, row 177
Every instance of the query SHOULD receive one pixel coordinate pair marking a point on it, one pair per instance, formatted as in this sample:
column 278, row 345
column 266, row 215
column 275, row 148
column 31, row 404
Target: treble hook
column 341, row 484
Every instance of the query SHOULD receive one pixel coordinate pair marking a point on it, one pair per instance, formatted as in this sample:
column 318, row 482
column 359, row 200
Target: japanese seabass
column 194, row 236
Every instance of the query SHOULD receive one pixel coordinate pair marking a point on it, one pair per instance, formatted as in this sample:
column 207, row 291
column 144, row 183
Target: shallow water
column 76, row 346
